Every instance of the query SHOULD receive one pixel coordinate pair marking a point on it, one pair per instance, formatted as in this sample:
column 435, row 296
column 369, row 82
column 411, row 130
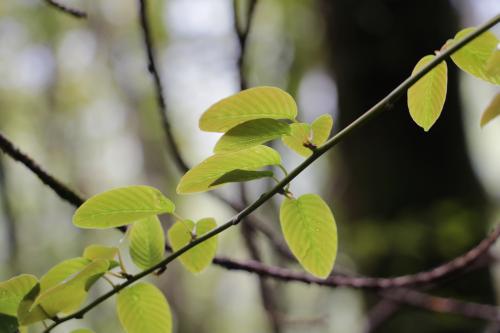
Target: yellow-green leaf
column 492, row 111
column 251, row 133
column 121, row 206
column 147, row 242
column 201, row 177
column 310, row 231
column 239, row 175
column 321, row 128
column 250, row 104
column 493, row 63
column 473, row 58
column 96, row 251
column 200, row 256
column 426, row 97
column 13, row 291
column 82, row 330
column 27, row 313
column 300, row 134
column 143, row 308
column 62, row 271
column 69, row 295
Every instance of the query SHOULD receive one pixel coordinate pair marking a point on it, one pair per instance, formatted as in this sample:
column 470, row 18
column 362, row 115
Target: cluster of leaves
column 480, row 57
column 249, row 119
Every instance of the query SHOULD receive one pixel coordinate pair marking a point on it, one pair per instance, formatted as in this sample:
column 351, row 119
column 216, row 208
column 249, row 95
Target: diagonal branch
column 68, row 10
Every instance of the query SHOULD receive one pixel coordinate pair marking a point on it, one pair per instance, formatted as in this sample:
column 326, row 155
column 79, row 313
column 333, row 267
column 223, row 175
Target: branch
column 71, row 11
column 62, row 190
column 444, row 305
column 242, row 34
column 162, row 109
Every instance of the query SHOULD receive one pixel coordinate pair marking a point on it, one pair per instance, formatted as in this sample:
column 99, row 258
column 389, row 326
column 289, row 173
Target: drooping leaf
column 147, row 242
column 27, row 313
column 200, row 177
column 426, row 97
column 493, row 63
column 200, row 256
column 96, row 251
column 69, row 295
column 300, row 133
column 13, row 291
column 473, row 58
column 239, row 175
column 321, row 128
column 492, row 111
column 62, row 271
column 8, row 324
column 251, row 133
column 250, row 104
column 310, row 231
column 121, row 206
column 143, row 308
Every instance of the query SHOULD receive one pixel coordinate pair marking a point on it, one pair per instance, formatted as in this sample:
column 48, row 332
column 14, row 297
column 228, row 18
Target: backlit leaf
column 321, row 128
column 96, row 251
column 492, row 111
column 13, row 291
column 147, row 242
column 200, row 256
column 493, row 63
column 62, row 271
column 121, row 206
column 251, row 133
column 69, row 295
column 200, row 177
column 143, row 308
column 310, row 231
column 300, row 133
column 27, row 313
column 241, row 176
column 473, row 58
column 426, row 97
column 250, row 104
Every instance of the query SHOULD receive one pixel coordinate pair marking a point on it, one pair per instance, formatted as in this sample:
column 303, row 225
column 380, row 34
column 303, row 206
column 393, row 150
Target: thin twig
column 62, row 190
column 162, row 108
column 68, row 10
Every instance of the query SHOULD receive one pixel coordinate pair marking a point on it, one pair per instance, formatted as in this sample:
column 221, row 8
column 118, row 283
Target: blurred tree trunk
column 412, row 194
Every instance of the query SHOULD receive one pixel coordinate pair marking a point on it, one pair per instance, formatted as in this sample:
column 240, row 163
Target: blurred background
column 77, row 97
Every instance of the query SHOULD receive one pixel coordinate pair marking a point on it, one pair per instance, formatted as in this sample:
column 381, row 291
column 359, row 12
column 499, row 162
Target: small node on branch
column 310, row 145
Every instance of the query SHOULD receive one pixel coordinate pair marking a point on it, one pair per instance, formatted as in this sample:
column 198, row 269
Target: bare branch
column 68, row 10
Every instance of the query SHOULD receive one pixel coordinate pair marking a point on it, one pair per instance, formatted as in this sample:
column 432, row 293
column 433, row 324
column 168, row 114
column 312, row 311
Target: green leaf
column 492, row 111
column 27, row 313
column 200, row 256
column 493, row 63
column 96, row 251
column 426, row 97
column 239, row 175
column 143, row 308
column 299, row 135
column 82, row 330
column 251, row 133
column 62, row 271
column 250, row 104
column 121, row 206
column 147, row 242
column 201, row 177
column 69, row 295
column 321, row 128
column 13, row 291
column 8, row 324
column 473, row 58
column 310, row 232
